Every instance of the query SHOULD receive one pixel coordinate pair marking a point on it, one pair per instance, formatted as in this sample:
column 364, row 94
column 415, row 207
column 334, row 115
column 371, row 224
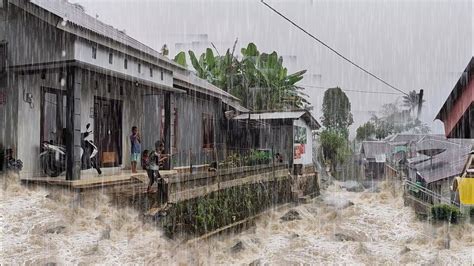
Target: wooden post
column 217, row 167
column 73, row 124
column 190, row 161
column 273, row 163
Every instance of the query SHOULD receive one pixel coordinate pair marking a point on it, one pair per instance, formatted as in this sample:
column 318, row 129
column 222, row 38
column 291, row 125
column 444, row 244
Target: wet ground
column 339, row 227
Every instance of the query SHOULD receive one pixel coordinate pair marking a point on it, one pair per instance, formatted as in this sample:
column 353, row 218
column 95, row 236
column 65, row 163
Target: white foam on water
column 382, row 229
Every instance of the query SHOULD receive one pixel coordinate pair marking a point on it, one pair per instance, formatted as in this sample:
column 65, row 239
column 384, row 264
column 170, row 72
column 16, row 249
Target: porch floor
column 88, row 180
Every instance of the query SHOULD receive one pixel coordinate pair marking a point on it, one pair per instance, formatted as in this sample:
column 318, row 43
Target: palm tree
column 411, row 100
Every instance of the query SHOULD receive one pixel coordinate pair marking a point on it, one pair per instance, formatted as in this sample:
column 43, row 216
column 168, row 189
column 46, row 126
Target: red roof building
column 457, row 112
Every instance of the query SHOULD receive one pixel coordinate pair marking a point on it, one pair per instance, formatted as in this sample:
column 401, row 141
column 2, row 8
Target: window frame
column 208, row 140
column 125, row 63
column 94, row 52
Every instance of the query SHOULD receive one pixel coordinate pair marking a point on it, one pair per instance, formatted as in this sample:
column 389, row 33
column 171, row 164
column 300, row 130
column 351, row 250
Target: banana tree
column 259, row 79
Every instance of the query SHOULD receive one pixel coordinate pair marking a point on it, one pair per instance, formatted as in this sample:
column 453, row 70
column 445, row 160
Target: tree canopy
column 337, row 111
column 391, row 120
column 412, row 100
column 260, row 80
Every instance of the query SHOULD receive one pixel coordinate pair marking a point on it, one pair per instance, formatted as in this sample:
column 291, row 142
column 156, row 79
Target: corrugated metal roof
column 372, row 149
column 444, row 165
column 271, row 115
column 72, row 14
column 297, row 114
column 192, row 79
column 447, row 164
column 455, row 92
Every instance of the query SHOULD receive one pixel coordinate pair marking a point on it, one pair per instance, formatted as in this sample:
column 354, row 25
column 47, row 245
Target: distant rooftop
column 447, row 164
column 372, row 149
column 296, row 114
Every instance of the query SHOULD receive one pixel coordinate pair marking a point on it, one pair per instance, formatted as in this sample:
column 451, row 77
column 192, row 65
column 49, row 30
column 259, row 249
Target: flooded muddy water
column 339, row 227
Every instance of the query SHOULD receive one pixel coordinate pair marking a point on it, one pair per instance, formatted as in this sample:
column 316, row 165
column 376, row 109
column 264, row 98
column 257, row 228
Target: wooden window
column 53, row 115
column 125, row 63
column 207, row 131
column 111, row 58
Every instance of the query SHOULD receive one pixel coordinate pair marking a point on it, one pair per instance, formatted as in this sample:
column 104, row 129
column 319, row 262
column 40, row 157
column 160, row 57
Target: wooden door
column 108, row 131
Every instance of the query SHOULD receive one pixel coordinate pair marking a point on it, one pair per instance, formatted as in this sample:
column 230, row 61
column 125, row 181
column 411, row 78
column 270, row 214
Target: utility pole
column 420, row 102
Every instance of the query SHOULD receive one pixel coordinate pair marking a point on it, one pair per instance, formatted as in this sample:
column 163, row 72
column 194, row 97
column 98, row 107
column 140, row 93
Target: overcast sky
column 410, row 44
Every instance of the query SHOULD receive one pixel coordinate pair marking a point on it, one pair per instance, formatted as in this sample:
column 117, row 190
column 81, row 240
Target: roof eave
column 441, row 112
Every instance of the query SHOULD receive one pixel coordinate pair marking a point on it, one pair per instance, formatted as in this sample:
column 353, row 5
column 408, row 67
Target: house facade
column 374, row 155
column 287, row 133
column 63, row 69
column 457, row 113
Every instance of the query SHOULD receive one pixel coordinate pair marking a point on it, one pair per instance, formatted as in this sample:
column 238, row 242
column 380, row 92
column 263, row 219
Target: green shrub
column 445, row 212
column 471, row 212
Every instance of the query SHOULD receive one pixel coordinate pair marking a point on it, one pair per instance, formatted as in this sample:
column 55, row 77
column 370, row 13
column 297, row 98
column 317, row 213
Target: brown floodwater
column 41, row 226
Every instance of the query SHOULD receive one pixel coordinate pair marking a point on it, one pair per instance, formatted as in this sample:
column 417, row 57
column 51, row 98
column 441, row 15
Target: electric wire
column 332, row 49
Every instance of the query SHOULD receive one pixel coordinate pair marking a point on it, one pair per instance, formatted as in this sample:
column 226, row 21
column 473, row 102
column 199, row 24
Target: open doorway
column 108, row 131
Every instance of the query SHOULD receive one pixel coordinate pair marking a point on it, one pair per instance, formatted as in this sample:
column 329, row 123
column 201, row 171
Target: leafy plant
column 180, row 58
column 259, row 79
column 412, row 100
column 334, row 147
column 365, row 131
column 445, row 212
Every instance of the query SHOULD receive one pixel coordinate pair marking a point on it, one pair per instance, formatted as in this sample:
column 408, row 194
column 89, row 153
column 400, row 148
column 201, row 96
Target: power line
column 361, row 91
column 333, row 50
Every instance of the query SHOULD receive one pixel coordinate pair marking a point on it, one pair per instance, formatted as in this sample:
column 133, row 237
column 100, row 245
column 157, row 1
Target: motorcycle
column 53, row 157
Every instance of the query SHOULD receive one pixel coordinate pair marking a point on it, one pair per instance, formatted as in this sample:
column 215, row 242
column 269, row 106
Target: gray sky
column 410, row 44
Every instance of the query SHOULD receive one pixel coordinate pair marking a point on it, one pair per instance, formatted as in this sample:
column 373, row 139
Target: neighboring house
column 374, row 155
column 437, row 172
column 457, row 112
column 288, row 133
column 62, row 69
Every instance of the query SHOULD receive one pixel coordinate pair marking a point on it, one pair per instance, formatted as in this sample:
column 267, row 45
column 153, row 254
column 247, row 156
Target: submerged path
column 40, row 226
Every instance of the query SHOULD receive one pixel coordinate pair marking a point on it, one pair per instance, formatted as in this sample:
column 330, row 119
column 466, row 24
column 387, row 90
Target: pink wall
column 460, row 107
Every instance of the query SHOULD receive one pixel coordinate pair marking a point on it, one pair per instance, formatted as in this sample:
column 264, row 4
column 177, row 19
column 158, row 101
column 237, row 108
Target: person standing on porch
column 135, row 148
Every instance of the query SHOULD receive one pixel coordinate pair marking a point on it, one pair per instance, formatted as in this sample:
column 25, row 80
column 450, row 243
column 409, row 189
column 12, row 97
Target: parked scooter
column 53, row 158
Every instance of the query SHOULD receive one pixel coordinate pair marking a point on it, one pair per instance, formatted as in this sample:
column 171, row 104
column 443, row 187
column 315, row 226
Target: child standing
column 135, row 148
column 145, row 158
column 153, row 170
